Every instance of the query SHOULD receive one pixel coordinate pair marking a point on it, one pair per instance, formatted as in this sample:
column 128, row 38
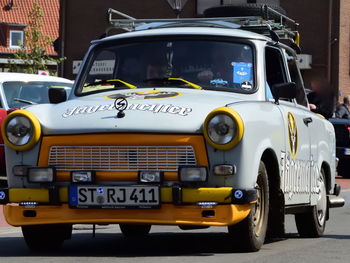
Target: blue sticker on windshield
column 218, row 82
column 242, row 71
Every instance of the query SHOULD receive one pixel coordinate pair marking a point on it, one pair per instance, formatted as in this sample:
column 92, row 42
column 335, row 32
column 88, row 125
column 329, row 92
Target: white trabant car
column 190, row 125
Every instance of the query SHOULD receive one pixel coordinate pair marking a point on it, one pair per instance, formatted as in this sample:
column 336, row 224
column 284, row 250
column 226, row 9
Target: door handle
column 307, row 121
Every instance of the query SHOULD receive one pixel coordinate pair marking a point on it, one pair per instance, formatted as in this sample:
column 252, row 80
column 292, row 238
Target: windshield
column 19, row 94
column 207, row 64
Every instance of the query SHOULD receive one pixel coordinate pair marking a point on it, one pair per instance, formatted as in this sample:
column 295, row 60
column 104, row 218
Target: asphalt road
column 169, row 244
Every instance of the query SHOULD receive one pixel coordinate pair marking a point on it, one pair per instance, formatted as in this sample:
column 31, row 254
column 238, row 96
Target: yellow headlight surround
column 35, row 125
column 239, row 128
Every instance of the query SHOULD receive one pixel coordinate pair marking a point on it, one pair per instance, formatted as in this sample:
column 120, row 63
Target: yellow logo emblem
column 292, row 135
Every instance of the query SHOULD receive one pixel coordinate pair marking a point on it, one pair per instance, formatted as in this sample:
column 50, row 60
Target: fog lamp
column 41, row 174
column 150, row 176
column 83, row 176
column 193, row 174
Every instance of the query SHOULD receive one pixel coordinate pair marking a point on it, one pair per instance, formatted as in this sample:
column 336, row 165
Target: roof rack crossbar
column 261, row 24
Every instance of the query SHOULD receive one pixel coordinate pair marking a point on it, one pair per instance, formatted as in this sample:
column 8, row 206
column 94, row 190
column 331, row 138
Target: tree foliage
column 32, row 56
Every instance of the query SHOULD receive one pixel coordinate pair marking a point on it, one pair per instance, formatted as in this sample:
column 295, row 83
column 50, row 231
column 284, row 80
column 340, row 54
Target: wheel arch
column 327, row 170
column 271, row 162
column 275, row 226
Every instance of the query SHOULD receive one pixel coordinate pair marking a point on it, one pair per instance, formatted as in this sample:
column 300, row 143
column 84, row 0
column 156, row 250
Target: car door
column 295, row 160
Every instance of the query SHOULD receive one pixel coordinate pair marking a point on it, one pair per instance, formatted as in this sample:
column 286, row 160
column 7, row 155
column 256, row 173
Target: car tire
column 46, row 237
column 313, row 223
column 249, row 234
column 238, row 10
column 134, row 231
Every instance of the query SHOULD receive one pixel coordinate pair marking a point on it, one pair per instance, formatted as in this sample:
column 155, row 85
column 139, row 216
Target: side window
column 275, row 71
column 297, row 79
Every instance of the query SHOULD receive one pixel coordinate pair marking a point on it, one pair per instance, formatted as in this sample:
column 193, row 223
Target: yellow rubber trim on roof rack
column 297, row 38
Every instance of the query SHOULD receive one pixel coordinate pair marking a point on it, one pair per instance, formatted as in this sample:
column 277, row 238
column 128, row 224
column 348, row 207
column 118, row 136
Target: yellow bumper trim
column 167, row 214
column 219, row 195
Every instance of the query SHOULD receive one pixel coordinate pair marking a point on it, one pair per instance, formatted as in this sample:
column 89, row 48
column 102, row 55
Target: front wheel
column 250, row 233
column 313, row 222
column 46, row 237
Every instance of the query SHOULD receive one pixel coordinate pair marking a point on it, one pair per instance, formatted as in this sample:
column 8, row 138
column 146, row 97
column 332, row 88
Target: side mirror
column 57, row 95
column 284, row 90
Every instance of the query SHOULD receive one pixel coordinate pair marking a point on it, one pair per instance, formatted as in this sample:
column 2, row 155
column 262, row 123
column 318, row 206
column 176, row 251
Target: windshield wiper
column 173, row 81
column 111, row 81
column 25, row 101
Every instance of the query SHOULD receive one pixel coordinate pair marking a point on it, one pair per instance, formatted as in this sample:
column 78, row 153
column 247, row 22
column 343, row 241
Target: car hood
column 167, row 110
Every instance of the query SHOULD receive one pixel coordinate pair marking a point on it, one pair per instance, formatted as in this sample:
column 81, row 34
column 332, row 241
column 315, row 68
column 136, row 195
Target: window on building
column 16, row 38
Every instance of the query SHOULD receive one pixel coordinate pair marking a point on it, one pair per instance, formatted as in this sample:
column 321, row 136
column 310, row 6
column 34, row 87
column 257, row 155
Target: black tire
column 237, row 10
column 46, row 237
column 250, row 233
column 313, row 223
column 3, row 183
column 134, row 231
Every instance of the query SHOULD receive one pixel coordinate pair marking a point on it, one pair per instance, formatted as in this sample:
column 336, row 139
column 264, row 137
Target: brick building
column 324, row 28
column 14, row 20
column 344, row 48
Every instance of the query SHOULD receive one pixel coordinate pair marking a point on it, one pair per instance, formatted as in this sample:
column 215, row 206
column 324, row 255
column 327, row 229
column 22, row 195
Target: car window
column 275, row 70
column 210, row 64
column 19, row 94
column 297, row 79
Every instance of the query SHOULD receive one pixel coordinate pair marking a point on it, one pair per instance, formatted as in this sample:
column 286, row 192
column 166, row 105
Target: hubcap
column 258, row 211
column 321, row 206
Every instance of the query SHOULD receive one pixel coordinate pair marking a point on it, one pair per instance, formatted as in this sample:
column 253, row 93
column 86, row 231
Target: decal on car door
column 292, row 135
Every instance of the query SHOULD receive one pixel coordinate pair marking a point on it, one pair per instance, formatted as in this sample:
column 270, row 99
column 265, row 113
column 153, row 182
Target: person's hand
column 312, row 107
column 205, row 76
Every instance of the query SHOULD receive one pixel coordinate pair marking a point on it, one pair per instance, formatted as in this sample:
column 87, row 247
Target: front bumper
column 179, row 206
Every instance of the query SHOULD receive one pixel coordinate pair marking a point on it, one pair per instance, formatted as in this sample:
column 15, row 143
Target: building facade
column 14, row 21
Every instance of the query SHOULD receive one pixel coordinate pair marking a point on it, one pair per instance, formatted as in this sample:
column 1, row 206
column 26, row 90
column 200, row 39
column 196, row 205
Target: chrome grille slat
column 121, row 158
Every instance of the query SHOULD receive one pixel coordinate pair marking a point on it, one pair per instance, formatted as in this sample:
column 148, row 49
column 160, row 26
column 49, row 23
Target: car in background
column 18, row 90
column 342, row 134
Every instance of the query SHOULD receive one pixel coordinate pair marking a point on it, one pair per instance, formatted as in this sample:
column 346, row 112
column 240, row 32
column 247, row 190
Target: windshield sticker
column 246, row 85
column 145, row 95
column 219, row 82
column 155, row 108
column 242, row 71
column 292, row 134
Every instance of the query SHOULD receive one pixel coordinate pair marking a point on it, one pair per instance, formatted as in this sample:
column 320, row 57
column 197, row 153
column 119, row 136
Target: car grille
column 121, row 158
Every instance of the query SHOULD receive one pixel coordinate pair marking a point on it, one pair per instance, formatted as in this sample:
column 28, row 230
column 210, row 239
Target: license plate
column 114, row 196
column 346, row 151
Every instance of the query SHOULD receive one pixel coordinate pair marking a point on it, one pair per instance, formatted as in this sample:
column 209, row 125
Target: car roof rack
column 269, row 20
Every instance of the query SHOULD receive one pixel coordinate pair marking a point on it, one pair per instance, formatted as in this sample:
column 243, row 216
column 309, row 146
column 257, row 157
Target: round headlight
column 223, row 128
column 21, row 130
